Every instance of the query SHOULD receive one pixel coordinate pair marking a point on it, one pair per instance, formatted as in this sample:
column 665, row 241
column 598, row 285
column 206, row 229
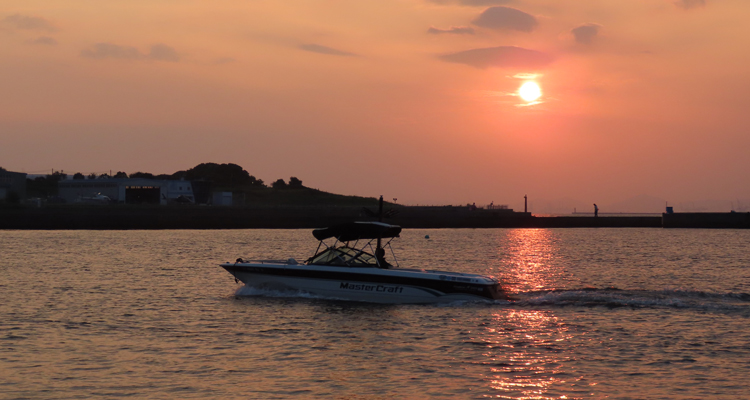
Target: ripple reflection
column 527, row 355
column 532, row 259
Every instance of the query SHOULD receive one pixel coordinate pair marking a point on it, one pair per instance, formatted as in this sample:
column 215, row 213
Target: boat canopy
column 344, row 256
column 358, row 230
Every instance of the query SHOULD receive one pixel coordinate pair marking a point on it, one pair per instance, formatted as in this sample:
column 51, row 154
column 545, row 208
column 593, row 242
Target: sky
column 411, row 99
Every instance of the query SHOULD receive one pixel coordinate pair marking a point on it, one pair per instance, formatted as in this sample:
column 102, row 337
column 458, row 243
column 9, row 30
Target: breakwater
column 298, row 217
column 730, row 220
column 289, row 217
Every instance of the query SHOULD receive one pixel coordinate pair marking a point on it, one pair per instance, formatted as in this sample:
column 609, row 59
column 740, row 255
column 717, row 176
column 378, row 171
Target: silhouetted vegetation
column 141, row 175
column 294, row 182
column 213, row 177
column 44, row 186
column 221, row 175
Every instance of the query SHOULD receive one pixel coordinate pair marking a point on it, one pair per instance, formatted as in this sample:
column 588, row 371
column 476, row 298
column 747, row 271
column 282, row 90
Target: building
column 221, row 199
column 130, row 191
column 12, row 182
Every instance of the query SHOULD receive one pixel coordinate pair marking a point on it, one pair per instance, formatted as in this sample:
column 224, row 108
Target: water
column 598, row 313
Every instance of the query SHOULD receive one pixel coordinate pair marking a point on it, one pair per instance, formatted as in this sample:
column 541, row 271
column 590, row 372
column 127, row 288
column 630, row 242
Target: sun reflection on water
column 528, row 351
column 531, row 259
column 526, row 355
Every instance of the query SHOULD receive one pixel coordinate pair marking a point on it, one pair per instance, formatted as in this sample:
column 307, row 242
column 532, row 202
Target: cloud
column 158, row 52
column 688, row 4
column 25, row 22
column 525, row 76
column 475, row 3
column 316, row 48
column 585, row 33
column 458, row 30
column 506, row 18
column 500, row 57
column 44, row 40
column 108, row 50
column 483, row 2
column 162, row 52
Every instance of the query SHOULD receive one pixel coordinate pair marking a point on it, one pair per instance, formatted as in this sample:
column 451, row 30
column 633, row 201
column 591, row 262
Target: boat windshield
column 344, row 255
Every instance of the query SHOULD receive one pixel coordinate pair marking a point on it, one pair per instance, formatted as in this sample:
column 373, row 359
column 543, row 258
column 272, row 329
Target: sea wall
column 596, row 222
column 286, row 217
column 158, row 217
column 731, row 220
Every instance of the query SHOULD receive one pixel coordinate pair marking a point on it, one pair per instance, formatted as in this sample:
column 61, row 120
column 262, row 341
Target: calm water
column 600, row 313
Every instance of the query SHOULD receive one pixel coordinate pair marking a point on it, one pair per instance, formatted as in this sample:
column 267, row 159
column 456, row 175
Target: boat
column 95, row 199
column 350, row 264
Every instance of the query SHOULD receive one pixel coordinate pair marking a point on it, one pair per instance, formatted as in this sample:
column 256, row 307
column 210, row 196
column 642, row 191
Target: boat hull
column 372, row 285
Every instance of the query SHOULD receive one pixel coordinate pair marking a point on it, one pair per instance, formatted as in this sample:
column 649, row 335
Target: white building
column 131, row 191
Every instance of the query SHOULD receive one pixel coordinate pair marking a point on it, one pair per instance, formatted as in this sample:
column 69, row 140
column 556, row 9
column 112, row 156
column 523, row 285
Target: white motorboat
column 347, row 266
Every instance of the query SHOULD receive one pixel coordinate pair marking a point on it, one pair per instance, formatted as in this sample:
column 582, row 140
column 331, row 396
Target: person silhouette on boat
column 596, row 210
column 380, row 257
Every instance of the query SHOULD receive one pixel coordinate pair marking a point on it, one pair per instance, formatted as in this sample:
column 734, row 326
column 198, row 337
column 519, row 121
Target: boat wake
column 616, row 298
column 731, row 303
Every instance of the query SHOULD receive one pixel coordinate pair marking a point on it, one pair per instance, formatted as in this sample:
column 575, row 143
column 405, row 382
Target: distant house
column 12, row 182
column 130, row 191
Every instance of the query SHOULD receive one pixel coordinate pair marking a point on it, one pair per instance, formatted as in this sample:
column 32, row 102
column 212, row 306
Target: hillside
column 300, row 196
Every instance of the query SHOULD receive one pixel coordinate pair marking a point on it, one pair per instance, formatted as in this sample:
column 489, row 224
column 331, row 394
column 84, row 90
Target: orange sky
column 413, row 99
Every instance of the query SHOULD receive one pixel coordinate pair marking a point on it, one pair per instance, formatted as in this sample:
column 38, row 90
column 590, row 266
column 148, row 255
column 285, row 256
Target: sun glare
column 530, row 91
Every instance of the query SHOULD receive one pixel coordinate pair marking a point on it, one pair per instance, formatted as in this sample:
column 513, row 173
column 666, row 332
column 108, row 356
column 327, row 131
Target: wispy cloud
column 158, row 52
column 688, row 4
column 101, row 51
column 473, row 3
column 44, row 40
column 506, row 18
column 25, row 22
column 316, row 48
column 162, row 52
column 500, row 57
column 456, row 30
column 484, row 2
column 585, row 33
column 525, row 76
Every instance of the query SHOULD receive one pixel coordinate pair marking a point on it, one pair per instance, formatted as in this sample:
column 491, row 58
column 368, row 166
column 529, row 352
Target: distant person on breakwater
column 596, row 210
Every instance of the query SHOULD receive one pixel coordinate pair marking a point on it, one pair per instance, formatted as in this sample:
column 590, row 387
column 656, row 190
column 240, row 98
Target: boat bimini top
column 361, row 253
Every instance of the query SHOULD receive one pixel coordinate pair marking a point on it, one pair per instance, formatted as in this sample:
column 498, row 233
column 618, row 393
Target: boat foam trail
column 723, row 303
column 615, row 298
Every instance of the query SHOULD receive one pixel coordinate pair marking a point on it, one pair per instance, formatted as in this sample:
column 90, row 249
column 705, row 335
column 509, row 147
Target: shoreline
column 118, row 217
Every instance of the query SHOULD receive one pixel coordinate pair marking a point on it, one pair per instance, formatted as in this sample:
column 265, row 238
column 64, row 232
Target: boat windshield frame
column 352, row 254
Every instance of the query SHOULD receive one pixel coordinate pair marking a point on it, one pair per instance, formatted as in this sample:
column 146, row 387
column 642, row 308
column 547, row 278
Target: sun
column 530, row 91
